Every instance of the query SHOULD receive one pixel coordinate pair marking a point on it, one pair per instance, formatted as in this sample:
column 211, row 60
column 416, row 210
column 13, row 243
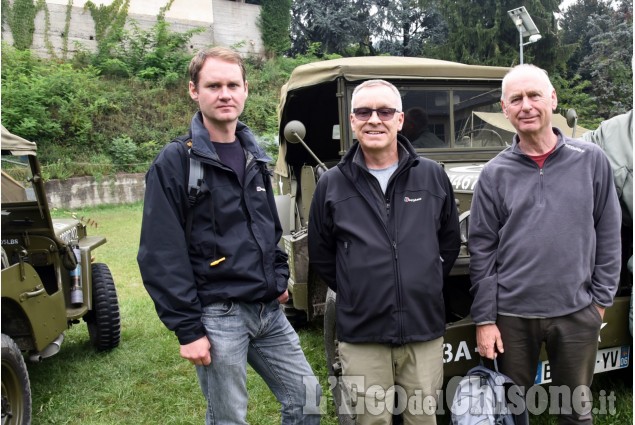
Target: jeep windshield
column 16, row 175
column 449, row 116
column 23, row 204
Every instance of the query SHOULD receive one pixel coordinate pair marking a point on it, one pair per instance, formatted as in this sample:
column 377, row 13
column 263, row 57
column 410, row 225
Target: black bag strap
column 195, row 173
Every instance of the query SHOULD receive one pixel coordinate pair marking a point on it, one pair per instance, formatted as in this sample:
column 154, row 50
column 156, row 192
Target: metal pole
column 520, row 31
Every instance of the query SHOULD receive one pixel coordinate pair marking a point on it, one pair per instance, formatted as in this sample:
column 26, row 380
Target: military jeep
column 462, row 104
column 49, row 278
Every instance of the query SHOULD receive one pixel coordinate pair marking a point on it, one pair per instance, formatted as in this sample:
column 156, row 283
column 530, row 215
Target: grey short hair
column 372, row 83
column 526, row 67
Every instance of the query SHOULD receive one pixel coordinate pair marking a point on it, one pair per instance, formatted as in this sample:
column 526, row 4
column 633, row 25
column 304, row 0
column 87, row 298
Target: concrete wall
column 237, row 22
column 79, row 192
column 226, row 23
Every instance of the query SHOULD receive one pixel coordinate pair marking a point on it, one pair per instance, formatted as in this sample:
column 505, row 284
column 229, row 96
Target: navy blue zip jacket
column 234, row 221
column 385, row 258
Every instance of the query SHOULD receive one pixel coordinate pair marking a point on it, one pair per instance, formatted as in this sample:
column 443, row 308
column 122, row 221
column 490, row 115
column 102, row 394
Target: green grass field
column 144, row 381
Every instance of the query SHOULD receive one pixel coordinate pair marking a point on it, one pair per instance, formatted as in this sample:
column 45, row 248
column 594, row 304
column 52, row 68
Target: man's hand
column 284, row 297
column 488, row 341
column 600, row 310
column 197, row 352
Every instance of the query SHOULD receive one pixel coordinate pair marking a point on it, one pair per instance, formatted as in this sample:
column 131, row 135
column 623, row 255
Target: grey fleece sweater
column 544, row 242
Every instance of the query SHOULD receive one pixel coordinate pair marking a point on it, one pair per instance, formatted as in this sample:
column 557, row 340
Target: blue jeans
column 258, row 334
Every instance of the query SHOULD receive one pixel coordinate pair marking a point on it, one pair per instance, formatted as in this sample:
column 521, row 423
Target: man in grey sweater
column 545, row 247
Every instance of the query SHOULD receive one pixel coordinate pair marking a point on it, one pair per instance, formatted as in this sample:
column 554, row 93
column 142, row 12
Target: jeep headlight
column 464, row 226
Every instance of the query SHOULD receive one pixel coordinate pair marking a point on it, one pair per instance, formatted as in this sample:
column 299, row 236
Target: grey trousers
column 571, row 343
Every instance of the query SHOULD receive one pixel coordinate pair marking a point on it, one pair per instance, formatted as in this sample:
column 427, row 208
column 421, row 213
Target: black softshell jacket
column 386, row 259
column 234, row 221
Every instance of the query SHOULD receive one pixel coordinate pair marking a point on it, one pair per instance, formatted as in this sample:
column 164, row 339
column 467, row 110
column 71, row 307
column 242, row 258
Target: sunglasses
column 384, row 114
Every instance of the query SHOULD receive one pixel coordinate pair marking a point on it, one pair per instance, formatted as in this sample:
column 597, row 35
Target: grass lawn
column 144, row 381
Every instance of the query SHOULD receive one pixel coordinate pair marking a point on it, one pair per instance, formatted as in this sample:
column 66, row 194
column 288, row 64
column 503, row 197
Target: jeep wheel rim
column 12, row 400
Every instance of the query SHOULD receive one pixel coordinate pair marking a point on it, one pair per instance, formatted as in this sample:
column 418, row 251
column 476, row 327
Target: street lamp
column 526, row 27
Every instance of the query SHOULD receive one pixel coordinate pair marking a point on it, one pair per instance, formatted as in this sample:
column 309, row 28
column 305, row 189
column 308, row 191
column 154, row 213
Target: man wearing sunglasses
column 383, row 234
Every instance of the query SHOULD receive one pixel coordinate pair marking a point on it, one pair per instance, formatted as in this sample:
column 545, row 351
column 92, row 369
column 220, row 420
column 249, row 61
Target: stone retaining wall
column 79, row 192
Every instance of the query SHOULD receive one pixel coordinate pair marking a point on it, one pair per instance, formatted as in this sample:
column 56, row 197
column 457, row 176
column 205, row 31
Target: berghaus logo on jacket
column 408, row 199
column 573, row 148
column 260, row 189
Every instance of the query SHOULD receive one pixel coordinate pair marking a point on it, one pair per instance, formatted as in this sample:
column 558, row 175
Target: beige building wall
column 226, row 23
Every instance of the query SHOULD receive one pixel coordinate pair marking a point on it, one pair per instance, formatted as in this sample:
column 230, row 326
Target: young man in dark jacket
column 218, row 285
column 545, row 247
column 383, row 233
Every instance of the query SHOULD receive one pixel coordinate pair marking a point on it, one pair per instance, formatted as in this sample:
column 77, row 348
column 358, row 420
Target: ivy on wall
column 41, row 6
column 20, row 16
column 67, row 27
column 4, row 13
column 21, row 19
column 109, row 23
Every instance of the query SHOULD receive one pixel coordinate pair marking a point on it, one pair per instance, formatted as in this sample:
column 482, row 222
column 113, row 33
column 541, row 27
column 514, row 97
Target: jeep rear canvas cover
column 389, row 68
column 16, row 144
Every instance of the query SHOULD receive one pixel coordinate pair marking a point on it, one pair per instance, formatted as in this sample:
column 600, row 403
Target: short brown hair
column 222, row 53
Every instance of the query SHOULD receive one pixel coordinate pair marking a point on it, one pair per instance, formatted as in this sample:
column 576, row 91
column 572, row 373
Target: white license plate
column 605, row 360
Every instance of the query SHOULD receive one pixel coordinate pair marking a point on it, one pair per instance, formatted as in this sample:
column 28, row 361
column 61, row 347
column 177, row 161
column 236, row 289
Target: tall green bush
column 266, row 77
column 117, row 114
column 572, row 94
column 50, row 102
column 117, row 106
column 275, row 23
column 156, row 54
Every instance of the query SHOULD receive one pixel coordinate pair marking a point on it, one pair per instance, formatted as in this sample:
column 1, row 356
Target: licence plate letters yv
column 606, row 359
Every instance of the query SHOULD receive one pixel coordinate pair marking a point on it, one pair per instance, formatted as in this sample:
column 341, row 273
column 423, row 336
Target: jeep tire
column 16, row 389
column 104, row 322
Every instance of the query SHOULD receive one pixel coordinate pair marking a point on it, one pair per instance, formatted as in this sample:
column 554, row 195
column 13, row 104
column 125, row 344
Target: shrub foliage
column 94, row 117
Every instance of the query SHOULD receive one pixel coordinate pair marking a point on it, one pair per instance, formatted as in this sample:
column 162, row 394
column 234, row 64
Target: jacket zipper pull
column 216, row 262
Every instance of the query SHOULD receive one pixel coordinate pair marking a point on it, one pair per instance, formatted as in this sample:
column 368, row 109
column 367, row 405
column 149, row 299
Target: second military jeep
column 462, row 106
column 49, row 278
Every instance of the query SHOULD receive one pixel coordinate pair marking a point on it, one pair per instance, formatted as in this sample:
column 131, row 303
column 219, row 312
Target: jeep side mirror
column 572, row 120
column 572, row 117
column 294, row 132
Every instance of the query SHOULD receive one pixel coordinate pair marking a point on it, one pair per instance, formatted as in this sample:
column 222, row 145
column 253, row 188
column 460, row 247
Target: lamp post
column 525, row 26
